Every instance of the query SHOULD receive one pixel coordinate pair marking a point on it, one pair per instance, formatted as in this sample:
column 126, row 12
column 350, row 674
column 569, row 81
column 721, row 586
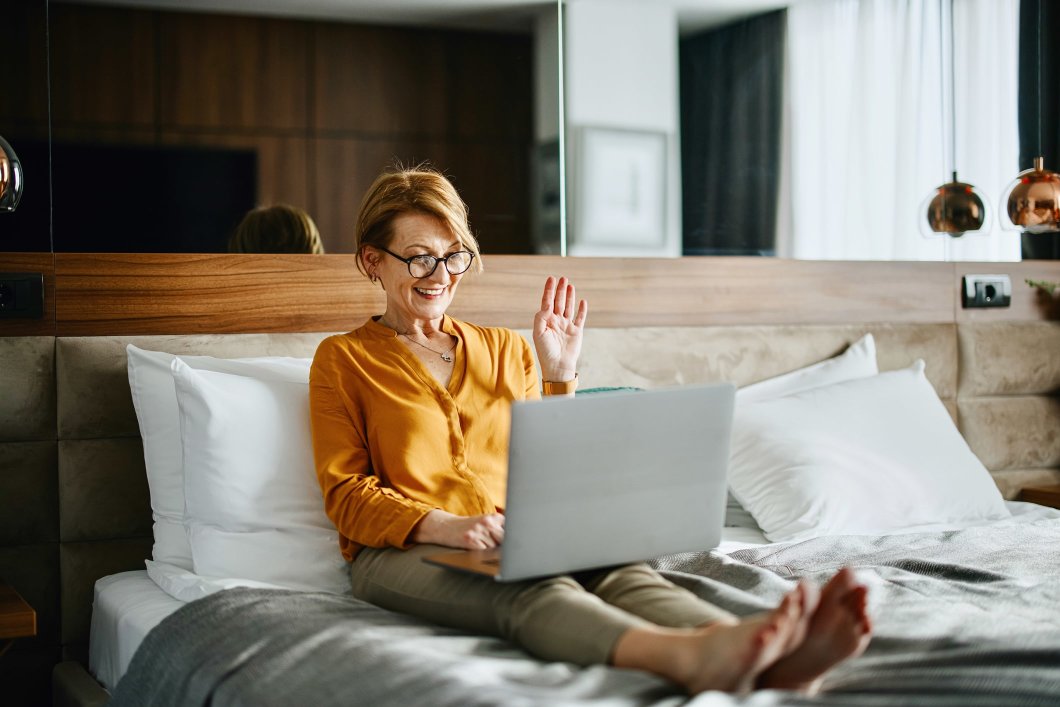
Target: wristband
column 560, row 387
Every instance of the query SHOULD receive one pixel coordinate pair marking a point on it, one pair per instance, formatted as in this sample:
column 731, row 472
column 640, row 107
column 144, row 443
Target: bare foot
column 840, row 628
column 730, row 657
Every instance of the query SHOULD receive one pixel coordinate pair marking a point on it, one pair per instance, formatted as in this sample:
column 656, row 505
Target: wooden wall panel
column 184, row 294
column 326, row 105
column 379, row 80
column 499, row 66
column 220, row 71
column 31, row 262
column 199, row 294
column 493, row 179
column 103, row 66
column 23, row 36
column 706, row 291
column 343, row 170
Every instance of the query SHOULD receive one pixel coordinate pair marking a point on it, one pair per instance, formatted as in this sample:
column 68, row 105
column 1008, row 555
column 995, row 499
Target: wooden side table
column 1042, row 495
column 17, row 618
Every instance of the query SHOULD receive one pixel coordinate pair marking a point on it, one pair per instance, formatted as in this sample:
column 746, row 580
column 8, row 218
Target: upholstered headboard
column 73, row 495
column 78, row 467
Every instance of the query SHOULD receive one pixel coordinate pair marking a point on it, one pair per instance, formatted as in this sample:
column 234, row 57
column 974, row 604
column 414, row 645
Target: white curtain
column 865, row 139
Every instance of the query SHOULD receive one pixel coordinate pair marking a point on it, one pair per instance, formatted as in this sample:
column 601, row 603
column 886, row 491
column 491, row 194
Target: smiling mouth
column 434, row 292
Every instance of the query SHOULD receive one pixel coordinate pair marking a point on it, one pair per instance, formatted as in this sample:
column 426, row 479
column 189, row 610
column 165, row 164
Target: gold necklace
column 444, row 355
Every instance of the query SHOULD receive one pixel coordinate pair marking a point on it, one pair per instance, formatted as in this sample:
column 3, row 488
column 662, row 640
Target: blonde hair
column 276, row 229
column 403, row 190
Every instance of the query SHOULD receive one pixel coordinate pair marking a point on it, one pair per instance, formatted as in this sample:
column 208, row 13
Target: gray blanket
column 962, row 618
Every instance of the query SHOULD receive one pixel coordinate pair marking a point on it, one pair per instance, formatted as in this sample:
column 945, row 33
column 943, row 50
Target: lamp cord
column 953, row 97
column 1038, row 72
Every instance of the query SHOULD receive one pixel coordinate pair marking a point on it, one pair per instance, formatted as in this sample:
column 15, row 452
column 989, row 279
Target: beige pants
column 569, row 618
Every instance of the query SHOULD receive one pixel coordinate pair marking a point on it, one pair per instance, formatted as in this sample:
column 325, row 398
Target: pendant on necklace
column 447, row 358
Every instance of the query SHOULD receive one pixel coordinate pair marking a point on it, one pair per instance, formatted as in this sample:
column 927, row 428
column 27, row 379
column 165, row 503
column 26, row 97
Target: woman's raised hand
column 558, row 330
column 467, row 533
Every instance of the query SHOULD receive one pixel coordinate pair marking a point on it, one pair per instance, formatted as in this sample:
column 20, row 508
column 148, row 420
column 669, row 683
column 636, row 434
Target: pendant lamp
column 10, row 177
column 955, row 208
column 1032, row 202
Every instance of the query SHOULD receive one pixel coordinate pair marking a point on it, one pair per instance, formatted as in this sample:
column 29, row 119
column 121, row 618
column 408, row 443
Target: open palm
column 558, row 330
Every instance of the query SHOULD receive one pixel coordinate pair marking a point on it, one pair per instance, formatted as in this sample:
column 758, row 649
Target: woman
column 276, row 229
column 410, row 416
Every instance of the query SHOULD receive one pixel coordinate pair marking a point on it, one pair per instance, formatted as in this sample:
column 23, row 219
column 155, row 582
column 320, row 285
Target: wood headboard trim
column 124, row 294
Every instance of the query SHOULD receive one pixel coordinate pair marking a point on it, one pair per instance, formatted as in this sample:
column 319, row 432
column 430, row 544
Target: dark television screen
column 117, row 199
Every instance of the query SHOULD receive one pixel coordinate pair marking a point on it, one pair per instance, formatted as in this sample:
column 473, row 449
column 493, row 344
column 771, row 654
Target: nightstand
column 17, row 618
column 1042, row 495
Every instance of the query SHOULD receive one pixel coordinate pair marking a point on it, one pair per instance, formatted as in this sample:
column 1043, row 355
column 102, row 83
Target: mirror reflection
column 168, row 127
column 800, row 128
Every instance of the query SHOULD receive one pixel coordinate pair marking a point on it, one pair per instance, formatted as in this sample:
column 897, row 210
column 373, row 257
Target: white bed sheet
column 128, row 605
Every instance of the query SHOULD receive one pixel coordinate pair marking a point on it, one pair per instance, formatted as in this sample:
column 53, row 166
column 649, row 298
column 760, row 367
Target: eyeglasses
column 425, row 265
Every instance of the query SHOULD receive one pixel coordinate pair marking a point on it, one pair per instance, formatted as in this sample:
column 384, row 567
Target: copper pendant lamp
column 1032, row 202
column 955, row 208
column 10, row 177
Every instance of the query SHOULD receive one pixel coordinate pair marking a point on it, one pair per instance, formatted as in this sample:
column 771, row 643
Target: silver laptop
column 610, row 478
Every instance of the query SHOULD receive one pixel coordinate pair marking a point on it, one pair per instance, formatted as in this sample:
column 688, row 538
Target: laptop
column 608, row 479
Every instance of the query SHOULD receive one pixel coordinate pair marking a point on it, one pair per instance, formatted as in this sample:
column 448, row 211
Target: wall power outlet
column 986, row 291
column 21, row 295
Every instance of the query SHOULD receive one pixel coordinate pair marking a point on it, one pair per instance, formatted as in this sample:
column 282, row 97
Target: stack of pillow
column 840, row 448
column 833, row 448
column 229, row 459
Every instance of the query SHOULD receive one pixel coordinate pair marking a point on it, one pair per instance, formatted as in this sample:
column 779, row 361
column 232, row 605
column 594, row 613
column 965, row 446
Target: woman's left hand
column 558, row 330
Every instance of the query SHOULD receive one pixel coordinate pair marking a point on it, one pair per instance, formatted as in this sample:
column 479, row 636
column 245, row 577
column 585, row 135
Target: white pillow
column 858, row 361
column 155, row 400
column 185, row 585
column 253, row 506
column 866, row 456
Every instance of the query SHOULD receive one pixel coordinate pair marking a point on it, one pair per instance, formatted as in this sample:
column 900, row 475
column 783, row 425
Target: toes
column 857, row 603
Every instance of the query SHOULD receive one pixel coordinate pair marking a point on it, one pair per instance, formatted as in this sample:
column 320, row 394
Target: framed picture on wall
column 621, row 189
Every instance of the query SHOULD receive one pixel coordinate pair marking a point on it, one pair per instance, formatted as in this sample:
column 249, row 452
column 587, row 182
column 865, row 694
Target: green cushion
column 605, row 389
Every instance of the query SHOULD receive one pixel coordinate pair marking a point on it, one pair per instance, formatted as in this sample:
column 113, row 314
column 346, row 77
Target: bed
column 964, row 596
column 946, row 607
column 75, row 491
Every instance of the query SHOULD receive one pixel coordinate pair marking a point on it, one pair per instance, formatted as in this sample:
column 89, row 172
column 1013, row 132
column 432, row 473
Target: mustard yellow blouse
column 392, row 444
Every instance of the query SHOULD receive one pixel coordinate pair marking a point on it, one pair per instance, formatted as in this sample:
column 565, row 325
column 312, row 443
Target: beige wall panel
column 1018, row 432
column 103, row 490
column 93, row 385
column 650, row 357
column 1012, row 481
column 93, row 373
column 29, row 499
column 1009, row 358
column 80, row 565
column 27, row 388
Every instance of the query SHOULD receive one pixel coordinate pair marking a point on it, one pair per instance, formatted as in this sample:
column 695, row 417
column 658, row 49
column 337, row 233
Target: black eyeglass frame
column 408, row 261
